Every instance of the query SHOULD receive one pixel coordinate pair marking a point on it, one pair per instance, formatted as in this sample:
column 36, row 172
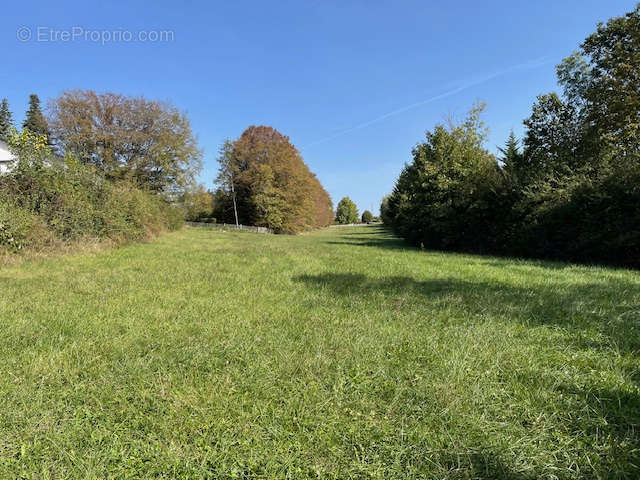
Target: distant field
column 338, row 354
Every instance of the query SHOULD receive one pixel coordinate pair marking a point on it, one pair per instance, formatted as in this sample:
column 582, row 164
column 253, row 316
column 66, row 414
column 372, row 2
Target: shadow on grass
column 578, row 308
column 379, row 243
column 481, row 465
column 382, row 237
column 379, row 237
column 581, row 310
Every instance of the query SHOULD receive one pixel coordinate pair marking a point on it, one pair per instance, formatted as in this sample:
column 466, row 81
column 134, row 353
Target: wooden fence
column 354, row 224
column 229, row 226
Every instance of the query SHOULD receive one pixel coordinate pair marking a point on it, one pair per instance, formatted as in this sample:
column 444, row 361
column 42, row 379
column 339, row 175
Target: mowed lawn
column 339, row 354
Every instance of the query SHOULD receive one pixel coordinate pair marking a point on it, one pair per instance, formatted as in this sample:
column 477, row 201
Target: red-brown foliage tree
column 273, row 187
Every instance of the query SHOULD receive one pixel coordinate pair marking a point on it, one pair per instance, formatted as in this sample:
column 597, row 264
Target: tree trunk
column 235, row 209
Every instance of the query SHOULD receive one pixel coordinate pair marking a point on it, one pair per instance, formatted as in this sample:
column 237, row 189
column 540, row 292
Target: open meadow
column 342, row 353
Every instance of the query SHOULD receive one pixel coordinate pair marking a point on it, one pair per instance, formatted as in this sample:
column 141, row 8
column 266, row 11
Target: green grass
column 338, row 354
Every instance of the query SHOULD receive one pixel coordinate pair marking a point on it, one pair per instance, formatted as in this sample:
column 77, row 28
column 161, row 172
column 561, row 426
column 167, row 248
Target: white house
column 7, row 159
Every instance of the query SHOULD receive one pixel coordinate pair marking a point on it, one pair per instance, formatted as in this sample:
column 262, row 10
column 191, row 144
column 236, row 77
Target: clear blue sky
column 355, row 84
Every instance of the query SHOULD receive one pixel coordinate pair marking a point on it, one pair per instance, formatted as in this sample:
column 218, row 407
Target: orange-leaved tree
column 270, row 183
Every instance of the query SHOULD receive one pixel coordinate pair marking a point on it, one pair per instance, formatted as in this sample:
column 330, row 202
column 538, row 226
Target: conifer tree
column 6, row 120
column 35, row 120
column 511, row 155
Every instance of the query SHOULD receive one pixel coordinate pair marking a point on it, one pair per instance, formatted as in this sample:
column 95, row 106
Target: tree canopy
column 367, row 216
column 347, row 212
column 197, row 203
column 264, row 179
column 570, row 192
column 149, row 143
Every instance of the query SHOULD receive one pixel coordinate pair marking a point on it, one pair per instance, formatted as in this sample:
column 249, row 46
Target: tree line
column 34, row 121
column 569, row 190
column 347, row 213
column 149, row 145
column 98, row 166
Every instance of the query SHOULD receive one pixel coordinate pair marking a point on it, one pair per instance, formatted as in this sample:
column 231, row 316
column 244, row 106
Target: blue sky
column 355, row 84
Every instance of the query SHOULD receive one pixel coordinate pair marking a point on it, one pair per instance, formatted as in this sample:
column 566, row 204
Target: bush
column 197, row 204
column 48, row 199
column 20, row 228
column 127, row 213
column 587, row 220
column 367, row 216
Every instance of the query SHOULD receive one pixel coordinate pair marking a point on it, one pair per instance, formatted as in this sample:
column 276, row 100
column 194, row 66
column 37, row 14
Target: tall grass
column 336, row 354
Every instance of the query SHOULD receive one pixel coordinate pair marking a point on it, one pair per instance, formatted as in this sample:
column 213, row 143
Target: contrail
column 521, row 66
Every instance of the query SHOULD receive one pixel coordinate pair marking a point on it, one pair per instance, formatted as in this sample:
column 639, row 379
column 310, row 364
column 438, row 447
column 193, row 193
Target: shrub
column 131, row 214
column 46, row 199
column 20, row 228
column 586, row 220
column 367, row 216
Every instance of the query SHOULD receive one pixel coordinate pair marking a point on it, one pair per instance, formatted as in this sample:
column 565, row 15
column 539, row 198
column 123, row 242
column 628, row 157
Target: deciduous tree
column 264, row 181
column 347, row 212
column 612, row 86
column 149, row 143
column 198, row 203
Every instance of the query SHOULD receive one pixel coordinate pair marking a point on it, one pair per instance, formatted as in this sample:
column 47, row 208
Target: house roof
column 5, row 153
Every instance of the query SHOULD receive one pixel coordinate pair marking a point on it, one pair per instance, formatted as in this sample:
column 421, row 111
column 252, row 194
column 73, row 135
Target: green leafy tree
column 198, row 204
column 367, row 216
column 596, row 120
column 553, row 140
column 610, row 83
column 149, row 143
column 347, row 212
column 35, row 120
column 6, row 121
column 582, row 150
column 450, row 191
column 386, row 214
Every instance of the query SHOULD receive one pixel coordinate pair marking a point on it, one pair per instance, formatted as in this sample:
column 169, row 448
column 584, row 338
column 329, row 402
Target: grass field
column 338, row 354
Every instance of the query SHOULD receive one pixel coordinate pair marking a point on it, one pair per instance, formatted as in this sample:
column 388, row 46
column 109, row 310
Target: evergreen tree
column 511, row 151
column 6, row 120
column 511, row 156
column 35, row 120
